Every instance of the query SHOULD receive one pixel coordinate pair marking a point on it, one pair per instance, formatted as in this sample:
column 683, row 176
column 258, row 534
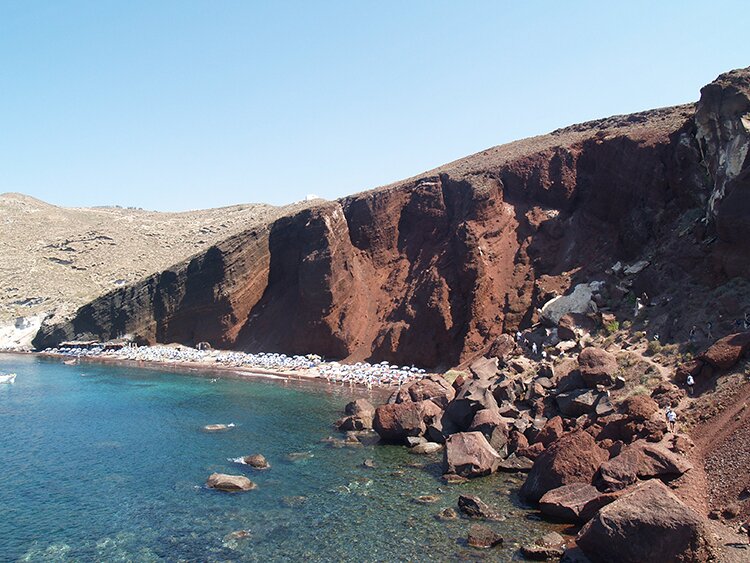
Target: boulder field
column 606, row 472
column 436, row 270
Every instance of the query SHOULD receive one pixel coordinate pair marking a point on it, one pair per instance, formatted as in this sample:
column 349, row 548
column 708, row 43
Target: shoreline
column 212, row 371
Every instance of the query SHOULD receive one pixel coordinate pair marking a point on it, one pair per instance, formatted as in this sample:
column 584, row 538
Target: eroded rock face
column 722, row 121
column 642, row 460
column 649, row 524
column 574, row 458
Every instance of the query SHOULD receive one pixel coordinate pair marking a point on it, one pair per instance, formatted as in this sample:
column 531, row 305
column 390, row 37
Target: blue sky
column 175, row 105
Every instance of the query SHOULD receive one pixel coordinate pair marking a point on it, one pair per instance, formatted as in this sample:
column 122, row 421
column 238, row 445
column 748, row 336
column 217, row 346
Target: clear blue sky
column 176, row 105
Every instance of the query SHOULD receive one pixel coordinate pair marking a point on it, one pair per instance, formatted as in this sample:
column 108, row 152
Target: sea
column 109, row 463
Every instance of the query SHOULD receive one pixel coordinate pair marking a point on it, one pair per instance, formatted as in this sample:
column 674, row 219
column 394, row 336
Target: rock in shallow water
column 230, row 483
column 549, row 546
column 256, row 461
column 474, row 507
column 483, row 537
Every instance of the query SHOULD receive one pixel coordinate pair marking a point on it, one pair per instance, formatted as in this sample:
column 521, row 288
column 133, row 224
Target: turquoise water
column 103, row 463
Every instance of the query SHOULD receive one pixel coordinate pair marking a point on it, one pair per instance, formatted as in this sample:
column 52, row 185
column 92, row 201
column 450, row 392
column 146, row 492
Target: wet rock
column 369, row 463
column 549, row 546
column 574, row 458
column 427, row 499
column 483, row 537
column 229, row 483
column 474, row 507
column 597, row 367
column 469, row 454
column 256, row 461
column 648, row 524
column 453, row 479
column 298, row 456
column 412, row 441
column 447, row 514
column 426, row 448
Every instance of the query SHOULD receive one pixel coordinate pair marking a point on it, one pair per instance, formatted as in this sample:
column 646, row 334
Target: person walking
column 671, row 420
column 690, row 384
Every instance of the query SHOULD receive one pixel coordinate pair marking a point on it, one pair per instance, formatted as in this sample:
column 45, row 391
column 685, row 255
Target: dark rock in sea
column 483, row 537
column 293, row 501
column 369, row 463
column 395, row 422
column 474, row 507
column 427, row 499
column 549, row 546
column 447, row 514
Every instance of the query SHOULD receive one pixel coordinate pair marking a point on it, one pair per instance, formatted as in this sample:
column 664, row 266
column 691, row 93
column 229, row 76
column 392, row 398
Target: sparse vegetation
column 653, row 347
column 612, row 326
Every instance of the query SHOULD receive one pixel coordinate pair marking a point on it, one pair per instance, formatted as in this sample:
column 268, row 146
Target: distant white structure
column 310, row 197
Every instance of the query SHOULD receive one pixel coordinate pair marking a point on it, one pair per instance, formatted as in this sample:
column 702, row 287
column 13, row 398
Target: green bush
column 612, row 326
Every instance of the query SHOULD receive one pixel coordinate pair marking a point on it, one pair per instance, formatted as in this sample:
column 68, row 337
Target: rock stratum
column 434, row 269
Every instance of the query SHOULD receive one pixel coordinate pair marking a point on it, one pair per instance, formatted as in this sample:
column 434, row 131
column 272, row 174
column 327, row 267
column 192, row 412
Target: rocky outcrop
column 640, row 460
column 649, row 524
column 597, row 367
column 574, row 458
column 576, row 503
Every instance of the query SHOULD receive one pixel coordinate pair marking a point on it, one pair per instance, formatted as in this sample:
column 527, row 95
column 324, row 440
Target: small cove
column 106, row 462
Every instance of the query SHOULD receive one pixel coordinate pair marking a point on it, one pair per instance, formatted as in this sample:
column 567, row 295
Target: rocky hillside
column 434, row 269
column 54, row 260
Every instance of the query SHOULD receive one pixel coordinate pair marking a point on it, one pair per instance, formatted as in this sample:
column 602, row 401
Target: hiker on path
column 690, row 384
column 671, row 420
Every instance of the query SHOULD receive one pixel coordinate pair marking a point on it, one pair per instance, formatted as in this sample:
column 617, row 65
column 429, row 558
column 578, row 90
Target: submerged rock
column 426, row 448
column 217, row 427
column 483, row 537
column 474, row 507
column 549, row 546
column 229, row 483
column 447, row 514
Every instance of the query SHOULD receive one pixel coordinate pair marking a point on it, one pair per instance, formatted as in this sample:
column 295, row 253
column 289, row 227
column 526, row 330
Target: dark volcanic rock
column 574, row 458
column 474, row 507
column 648, row 524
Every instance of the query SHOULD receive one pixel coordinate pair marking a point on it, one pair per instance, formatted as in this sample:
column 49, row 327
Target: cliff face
column 431, row 270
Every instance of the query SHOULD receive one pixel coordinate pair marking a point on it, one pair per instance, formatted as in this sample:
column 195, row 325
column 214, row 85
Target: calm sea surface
column 103, row 463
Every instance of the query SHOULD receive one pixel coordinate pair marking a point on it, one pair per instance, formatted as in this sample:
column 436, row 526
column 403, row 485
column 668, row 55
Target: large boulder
column 597, row 367
column 576, row 503
column 484, row 368
column 483, row 537
column 579, row 301
column 727, row 351
column 639, row 408
column 553, row 430
column 433, row 387
column 229, row 483
column 469, row 454
column 640, row 460
column 574, row 325
column 395, row 422
column 648, row 524
column 360, row 414
column 574, row 458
